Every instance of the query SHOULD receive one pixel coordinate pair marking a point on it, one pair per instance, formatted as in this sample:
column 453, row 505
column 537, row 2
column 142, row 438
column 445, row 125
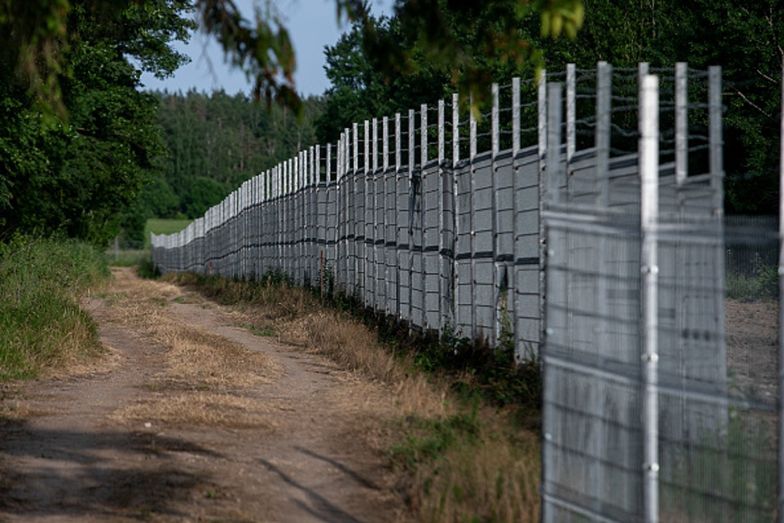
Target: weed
column 147, row 269
column 762, row 283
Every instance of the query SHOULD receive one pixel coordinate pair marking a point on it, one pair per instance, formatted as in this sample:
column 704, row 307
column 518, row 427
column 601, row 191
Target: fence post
column 386, row 223
column 374, row 211
column 554, row 120
column 495, row 147
column 471, row 158
column 411, row 158
column 716, row 139
column 511, row 300
column 442, row 185
column 603, row 102
column 455, row 217
column 541, row 127
column 681, row 122
column 649, row 207
column 781, row 308
column 422, row 208
column 398, row 261
column 366, row 288
column 571, row 112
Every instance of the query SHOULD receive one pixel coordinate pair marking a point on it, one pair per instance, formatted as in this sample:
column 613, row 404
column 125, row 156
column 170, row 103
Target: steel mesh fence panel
column 527, row 294
column 431, row 234
column 464, row 250
column 483, row 255
column 660, row 327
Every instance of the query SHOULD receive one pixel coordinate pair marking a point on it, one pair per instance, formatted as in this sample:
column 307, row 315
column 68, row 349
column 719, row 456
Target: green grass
column 127, row 257
column 162, row 226
column 41, row 323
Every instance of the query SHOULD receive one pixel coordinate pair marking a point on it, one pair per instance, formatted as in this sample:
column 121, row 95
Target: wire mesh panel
column 464, row 250
column 431, row 181
column 592, row 441
column 718, row 435
column 483, row 255
column 526, row 253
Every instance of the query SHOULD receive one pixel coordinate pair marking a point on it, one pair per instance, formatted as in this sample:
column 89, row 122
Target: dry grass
column 490, row 476
column 199, row 408
column 207, row 379
column 454, row 462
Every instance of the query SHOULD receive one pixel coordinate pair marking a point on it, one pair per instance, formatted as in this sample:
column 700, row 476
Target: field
column 162, row 226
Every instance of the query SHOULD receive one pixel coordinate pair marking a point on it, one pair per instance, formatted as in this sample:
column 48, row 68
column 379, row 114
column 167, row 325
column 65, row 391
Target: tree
column 263, row 49
column 746, row 39
column 74, row 175
column 218, row 141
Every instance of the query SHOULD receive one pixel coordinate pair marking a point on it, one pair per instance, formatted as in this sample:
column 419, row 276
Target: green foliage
column 745, row 38
column 761, row 284
column 76, row 176
column 263, row 48
column 429, row 438
column 41, row 323
column 218, row 141
column 162, row 226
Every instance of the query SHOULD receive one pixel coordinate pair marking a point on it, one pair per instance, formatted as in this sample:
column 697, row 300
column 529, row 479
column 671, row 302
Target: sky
column 312, row 24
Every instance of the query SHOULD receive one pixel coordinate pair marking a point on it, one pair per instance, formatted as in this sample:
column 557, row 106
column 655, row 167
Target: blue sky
column 312, row 24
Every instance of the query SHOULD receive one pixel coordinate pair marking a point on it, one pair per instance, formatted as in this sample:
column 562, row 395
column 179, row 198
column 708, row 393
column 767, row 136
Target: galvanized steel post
column 649, row 207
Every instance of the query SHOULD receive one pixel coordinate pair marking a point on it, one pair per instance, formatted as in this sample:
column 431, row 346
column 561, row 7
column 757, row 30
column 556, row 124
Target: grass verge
column 41, row 323
column 463, row 439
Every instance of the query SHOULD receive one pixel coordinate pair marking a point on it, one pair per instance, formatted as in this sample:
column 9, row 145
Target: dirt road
column 190, row 417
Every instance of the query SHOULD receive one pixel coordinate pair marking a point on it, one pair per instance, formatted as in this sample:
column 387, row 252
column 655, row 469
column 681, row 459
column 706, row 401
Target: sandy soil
column 268, row 432
column 752, row 349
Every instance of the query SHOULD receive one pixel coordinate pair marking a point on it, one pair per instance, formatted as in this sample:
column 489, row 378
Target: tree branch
column 755, row 106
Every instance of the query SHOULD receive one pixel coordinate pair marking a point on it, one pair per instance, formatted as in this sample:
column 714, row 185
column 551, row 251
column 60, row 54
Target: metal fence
column 405, row 214
column 585, row 211
column 661, row 384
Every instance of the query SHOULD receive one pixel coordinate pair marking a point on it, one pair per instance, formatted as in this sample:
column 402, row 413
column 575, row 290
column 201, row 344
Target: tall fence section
column 585, row 211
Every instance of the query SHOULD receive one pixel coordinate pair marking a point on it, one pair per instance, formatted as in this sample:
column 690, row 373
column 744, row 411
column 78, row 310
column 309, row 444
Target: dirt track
column 269, row 433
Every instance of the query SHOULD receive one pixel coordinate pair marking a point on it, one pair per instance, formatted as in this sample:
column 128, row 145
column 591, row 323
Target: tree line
column 213, row 143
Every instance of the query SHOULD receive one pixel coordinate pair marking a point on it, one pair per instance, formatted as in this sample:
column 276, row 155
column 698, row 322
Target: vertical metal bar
column 554, row 119
column 571, row 112
column 374, row 210
column 422, row 208
column 472, row 218
column 374, row 148
column 455, row 208
column 314, row 214
column 716, row 139
column 603, row 99
column 441, row 223
column 649, row 207
column 411, row 158
column 397, row 251
column 781, row 309
column 328, row 166
column 366, row 288
column 385, row 176
column 495, row 140
column 543, row 198
column 681, row 122
column 515, row 115
column 513, row 267
column 352, row 217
